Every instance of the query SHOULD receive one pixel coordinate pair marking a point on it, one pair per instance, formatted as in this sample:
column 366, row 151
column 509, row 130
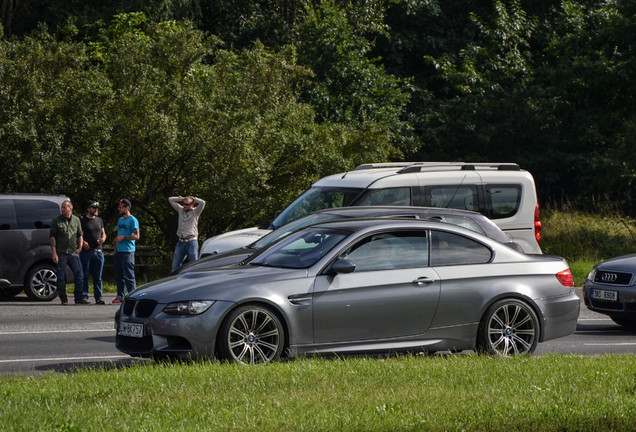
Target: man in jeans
column 92, row 256
column 127, row 234
column 66, row 244
column 187, row 230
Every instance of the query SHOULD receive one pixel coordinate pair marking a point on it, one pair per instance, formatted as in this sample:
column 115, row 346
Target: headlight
column 192, row 307
column 590, row 275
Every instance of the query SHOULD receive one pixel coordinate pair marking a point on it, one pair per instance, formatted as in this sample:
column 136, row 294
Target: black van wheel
column 41, row 283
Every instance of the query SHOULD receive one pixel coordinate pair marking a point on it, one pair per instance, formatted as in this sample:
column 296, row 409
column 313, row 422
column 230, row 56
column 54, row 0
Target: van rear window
column 504, row 200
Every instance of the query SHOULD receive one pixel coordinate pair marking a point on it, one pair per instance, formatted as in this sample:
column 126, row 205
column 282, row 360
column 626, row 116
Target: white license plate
column 605, row 295
column 130, row 329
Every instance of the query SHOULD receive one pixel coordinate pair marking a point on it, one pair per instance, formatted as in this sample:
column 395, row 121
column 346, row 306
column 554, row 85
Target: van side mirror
column 343, row 266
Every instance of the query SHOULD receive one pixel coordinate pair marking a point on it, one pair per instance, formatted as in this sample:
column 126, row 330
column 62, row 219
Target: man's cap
column 92, row 204
column 124, row 202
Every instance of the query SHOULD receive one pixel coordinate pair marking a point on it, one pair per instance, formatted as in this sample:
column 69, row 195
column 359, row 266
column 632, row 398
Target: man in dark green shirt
column 66, row 243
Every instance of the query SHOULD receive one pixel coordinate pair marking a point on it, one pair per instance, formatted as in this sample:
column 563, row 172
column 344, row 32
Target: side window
column 35, row 213
column 387, row 251
column 452, row 249
column 7, row 214
column 387, row 197
column 452, row 196
column 504, row 200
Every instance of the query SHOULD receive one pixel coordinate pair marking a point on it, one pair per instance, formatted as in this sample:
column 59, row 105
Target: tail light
column 565, row 277
column 537, row 225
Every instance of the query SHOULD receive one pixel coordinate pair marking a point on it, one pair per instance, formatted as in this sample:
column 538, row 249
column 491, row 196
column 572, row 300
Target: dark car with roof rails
column 473, row 221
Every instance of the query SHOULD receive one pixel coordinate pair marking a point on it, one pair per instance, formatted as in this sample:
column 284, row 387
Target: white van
column 502, row 191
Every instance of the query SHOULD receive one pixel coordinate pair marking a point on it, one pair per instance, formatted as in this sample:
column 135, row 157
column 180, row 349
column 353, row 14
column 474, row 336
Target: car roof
column 366, row 174
column 354, row 225
column 20, row 196
column 490, row 228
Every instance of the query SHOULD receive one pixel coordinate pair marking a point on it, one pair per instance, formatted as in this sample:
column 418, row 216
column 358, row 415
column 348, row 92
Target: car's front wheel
column 41, row 283
column 251, row 335
column 509, row 327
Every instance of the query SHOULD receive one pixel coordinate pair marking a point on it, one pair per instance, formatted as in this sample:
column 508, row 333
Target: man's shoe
column 116, row 301
column 99, row 302
column 83, row 302
column 64, row 302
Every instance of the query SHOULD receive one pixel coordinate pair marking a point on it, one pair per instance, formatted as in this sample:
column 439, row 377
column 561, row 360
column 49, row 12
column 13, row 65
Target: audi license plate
column 130, row 329
column 605, row 295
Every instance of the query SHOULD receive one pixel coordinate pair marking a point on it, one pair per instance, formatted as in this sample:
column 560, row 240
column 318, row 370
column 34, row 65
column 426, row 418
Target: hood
column 623, row 263
column 231, row 240
column 217, row 284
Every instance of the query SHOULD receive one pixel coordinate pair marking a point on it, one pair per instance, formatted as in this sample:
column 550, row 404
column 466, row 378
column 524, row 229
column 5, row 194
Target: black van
column 25, row 250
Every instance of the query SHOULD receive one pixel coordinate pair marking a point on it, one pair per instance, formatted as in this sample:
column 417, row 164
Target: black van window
column 452, row 196
column 504, row 200
column 399, row 196
column 7, row 214
column 35, row 213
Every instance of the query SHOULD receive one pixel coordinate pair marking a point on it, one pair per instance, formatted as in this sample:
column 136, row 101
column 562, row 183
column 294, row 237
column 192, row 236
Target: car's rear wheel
column 251, row 335
column 627, row 322
column 509, row 327
column 41, row 283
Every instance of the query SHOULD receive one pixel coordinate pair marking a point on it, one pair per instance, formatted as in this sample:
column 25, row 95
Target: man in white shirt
column 187, row 231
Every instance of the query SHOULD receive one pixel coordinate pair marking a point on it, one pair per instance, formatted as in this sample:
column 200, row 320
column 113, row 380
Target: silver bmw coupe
column 356, row 286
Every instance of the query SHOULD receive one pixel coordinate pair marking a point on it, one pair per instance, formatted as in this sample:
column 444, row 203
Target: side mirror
column 343, row 266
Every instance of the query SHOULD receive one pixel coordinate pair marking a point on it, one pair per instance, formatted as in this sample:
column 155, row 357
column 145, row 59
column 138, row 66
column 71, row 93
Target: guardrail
column 145, row 259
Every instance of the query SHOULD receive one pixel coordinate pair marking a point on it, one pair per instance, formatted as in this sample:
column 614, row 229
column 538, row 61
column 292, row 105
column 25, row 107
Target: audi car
column 356, row 287
column 610, row 289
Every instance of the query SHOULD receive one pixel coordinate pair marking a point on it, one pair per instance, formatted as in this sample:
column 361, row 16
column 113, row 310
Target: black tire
column 251, row 335
column 41, row 283
column 627, row 322
column 509, row 327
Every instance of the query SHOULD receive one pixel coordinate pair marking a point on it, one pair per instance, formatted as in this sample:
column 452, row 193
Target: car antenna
column 455, row 193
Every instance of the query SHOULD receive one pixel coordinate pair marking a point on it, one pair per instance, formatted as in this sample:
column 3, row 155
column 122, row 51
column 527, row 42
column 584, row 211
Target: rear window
column 451, row 249
column 504, row 200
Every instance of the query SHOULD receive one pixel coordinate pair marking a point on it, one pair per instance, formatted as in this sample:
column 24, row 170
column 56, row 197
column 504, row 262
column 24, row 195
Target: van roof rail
column 462, row 166
column 410, row 167
column 402, row 164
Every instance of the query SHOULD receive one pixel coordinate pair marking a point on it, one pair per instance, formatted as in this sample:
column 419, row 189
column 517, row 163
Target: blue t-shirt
column 125, row 227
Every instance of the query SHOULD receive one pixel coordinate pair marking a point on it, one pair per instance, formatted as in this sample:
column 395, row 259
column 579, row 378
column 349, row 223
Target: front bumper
column 165, row 335
column 624, row 306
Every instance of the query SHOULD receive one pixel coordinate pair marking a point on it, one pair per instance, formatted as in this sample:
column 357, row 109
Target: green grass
column 402, row 393
column 584, row 239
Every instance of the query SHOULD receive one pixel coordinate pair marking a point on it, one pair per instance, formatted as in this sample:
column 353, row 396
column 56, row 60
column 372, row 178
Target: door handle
column 423, row 281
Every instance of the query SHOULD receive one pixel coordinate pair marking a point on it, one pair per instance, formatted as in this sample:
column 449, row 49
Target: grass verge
column 401, row 393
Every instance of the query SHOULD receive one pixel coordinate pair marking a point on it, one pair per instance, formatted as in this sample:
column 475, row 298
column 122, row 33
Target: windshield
column 291, row 227
column 301, row 249
column 313, row 199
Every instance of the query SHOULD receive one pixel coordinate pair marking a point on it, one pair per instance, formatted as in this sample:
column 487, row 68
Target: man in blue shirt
column 127, row 234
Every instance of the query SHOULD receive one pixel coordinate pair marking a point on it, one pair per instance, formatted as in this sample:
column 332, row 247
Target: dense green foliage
column 246, row 103
column 403, row 393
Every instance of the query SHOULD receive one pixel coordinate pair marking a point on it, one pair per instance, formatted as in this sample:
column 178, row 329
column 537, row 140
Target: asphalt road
column 39, row 338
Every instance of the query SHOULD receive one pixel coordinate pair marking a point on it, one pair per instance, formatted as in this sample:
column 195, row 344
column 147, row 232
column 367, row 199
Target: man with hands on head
column 187, row 247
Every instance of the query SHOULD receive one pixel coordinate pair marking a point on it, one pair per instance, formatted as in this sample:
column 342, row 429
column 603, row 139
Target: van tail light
column 537, row 225
column 565, row 277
